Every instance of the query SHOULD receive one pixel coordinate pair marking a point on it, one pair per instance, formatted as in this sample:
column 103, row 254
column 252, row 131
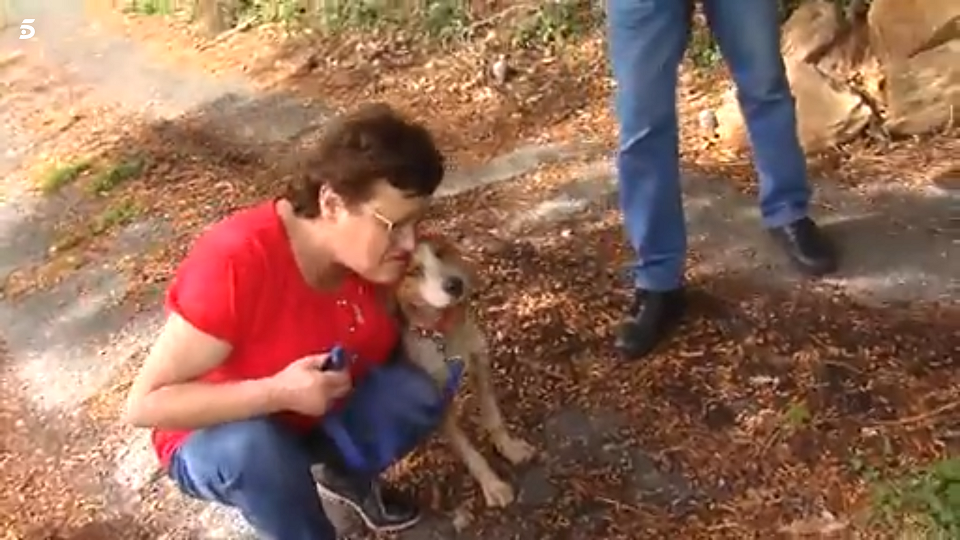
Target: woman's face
column 375, row 239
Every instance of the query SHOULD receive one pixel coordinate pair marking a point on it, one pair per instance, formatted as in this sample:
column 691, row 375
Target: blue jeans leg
column 391, row 412
column 647, row 40
column 748, row 33
column 262, row 469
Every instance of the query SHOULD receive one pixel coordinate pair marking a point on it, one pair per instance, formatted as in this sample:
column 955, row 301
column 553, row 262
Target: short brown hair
column 372, row 144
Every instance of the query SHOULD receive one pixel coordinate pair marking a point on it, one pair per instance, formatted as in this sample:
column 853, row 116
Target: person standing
column 647, row 41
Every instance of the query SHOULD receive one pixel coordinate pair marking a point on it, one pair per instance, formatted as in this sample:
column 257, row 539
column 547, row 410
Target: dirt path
column 647, row 451
column 61, row 347
column 66, row 345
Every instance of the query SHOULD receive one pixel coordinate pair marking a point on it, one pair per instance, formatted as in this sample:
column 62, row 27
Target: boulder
column 811, row 30
column 923, row 92
column 828, row 112
column 947, row 179
column 900, row 29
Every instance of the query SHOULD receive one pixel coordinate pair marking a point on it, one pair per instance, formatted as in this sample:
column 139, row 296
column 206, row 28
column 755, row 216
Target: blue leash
column 337, row 361
column 388, row 439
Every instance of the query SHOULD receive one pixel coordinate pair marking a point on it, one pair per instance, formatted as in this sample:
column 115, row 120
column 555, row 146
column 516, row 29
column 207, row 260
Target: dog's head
column 438, row 279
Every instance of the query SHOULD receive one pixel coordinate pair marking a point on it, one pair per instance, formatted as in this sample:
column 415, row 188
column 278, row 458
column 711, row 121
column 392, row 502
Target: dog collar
column 436, row 337
column 438, row 330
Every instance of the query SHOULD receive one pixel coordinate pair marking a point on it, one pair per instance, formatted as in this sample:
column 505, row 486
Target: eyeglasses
column 394, row 229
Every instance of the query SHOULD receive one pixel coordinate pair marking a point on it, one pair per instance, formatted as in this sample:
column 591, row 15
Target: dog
column 433, row 299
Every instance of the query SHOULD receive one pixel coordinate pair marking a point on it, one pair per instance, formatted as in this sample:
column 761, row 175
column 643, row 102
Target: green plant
column 555, row 22
column 796, row 416
column 703, row 50
column 362, row 15
column 108, row 179
column 116, row 215
column 925, row 499
column 55, row 178
column 443, row 19
column 151, row 7
column 446, row 19
column 286, row 11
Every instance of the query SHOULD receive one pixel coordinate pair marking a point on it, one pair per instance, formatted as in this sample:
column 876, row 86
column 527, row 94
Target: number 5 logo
column 27, row 30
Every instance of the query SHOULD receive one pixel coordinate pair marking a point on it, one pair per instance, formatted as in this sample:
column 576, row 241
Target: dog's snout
column 453, row 285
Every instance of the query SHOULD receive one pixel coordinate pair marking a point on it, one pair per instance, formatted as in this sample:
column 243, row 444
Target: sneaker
column 807, row 246
column 381, row 508
column 650, row 319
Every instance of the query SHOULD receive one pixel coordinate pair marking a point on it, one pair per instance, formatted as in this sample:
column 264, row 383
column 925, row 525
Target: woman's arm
column 166, row 394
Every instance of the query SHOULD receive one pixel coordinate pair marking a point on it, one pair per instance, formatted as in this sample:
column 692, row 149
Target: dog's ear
column 470, row 248
column 427, row 233
column 470, row 259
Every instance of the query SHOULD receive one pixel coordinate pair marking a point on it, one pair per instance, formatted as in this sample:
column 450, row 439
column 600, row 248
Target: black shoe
column 651, row 318
column 808, row 248
column 380, row 508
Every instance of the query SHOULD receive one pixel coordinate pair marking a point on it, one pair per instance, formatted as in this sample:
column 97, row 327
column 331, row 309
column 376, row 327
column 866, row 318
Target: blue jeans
column 262, row 468
column 647, row 40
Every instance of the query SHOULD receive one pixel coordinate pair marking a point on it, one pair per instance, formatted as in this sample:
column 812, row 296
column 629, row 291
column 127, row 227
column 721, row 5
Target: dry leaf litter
column 549, row 303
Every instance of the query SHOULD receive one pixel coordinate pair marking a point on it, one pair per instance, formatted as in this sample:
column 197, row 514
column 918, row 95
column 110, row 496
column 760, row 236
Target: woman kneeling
column 234, row 387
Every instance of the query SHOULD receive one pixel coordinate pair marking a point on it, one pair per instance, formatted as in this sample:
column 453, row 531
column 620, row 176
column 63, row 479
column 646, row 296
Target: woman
column 233, row 387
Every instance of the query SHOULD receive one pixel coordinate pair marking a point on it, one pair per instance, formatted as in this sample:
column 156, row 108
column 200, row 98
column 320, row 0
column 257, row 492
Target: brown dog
column 433, row 298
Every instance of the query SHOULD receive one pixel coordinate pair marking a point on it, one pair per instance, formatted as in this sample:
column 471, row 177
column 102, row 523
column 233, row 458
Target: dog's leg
column 496, row 492
column 515, row 450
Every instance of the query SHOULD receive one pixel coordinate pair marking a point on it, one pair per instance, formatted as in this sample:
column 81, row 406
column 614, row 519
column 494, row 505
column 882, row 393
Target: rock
column 730, row 129
column 708, row 122
column 811, row 30
column 947, row 180
column 849, row 55
column 900, row 29
column 923, row 92
column 828, row 112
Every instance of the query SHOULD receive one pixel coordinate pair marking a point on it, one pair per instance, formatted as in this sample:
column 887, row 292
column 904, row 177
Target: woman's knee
column 260, row 468
column 401, row 397
column 257, row 453
column 409, row 384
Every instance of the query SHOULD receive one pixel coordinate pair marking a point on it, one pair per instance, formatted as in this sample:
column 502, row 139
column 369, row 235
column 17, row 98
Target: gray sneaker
column 381, row 508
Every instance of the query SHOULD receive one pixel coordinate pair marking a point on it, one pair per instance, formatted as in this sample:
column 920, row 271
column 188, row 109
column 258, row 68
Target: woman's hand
column 303, row 387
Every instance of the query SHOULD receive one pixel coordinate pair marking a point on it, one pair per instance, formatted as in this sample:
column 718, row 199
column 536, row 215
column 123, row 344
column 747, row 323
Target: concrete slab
column 897, row 245
column 515, row 163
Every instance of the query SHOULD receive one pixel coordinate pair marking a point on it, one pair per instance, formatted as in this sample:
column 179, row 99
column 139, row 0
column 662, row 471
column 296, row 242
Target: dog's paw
column 497, row 493
column 516, row 451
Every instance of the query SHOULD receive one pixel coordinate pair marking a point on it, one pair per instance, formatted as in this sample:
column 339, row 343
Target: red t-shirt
column 240, row 283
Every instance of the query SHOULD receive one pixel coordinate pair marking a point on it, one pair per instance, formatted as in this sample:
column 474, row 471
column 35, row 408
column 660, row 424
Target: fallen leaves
column 720, row 391
column 550, row 301
column 825, row 524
